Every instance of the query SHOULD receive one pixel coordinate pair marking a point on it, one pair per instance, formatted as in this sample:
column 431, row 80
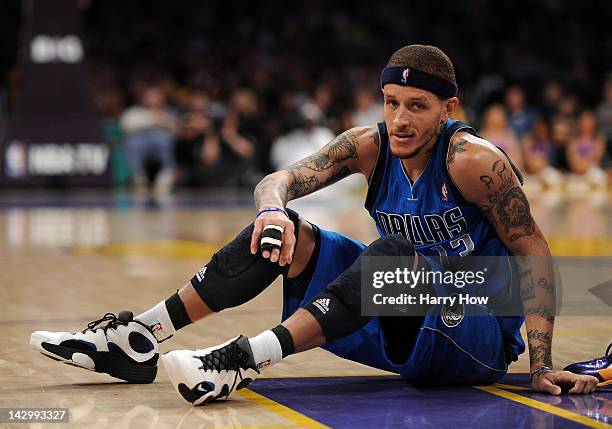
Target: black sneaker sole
column 109, row 363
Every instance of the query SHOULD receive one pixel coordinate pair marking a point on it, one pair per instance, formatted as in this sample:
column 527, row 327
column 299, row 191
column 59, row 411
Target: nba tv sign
column 55, row 159
column 53, row 136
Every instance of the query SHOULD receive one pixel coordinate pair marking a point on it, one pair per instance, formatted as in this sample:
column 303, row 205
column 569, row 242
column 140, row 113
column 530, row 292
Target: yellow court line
column 510, row 387
column 280, row 410
column 557, row 411
column 260, row 427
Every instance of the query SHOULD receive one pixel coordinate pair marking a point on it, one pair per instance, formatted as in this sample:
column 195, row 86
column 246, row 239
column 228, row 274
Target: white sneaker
column 124, row 348
column 201, row 376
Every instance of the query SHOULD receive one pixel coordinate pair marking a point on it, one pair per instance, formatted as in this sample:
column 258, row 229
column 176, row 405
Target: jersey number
column 465, row 242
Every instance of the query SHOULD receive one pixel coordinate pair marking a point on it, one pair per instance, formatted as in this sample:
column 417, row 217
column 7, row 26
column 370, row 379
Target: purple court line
column 384, row 401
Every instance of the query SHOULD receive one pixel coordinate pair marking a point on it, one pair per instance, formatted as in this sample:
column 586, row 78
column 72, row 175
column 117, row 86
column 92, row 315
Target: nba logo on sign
column 405, row 75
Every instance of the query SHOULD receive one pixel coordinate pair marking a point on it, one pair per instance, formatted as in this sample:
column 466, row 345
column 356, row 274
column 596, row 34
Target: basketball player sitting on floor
column 435, row 189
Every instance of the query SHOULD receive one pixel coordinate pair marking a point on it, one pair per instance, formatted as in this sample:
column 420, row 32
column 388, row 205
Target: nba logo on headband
column 405, row 75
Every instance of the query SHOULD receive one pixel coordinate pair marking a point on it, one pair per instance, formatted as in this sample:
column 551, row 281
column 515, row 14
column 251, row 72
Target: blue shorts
column 476, row 351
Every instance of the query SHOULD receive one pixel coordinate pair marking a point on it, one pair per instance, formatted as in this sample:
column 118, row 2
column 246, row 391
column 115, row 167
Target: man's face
column 413, row 117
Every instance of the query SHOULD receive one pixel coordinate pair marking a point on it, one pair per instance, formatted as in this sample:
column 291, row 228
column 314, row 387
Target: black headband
column 407, row 76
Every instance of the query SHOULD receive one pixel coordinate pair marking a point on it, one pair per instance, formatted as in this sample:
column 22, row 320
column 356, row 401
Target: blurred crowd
column 200, row 141
column 212, row 94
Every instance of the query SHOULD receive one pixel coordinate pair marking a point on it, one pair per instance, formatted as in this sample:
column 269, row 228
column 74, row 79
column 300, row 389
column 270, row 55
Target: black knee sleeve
column 337, row 320
column 234, row 275
column 338, row 308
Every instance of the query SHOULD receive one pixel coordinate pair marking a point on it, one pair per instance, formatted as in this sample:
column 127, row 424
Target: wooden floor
column 62, row 266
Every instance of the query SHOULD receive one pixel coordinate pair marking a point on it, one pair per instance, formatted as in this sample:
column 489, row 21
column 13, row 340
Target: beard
column 407, row 155
column 430, row 138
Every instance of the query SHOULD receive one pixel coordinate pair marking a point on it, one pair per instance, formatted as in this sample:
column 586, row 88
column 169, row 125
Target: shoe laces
column 108, row 317
column 227, row 358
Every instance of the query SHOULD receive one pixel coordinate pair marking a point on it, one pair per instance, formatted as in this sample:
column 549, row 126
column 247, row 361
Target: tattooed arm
column 353, row 151
column 485, row 178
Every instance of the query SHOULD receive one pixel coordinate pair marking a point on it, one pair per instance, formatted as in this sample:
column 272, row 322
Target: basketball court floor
column 68, row 259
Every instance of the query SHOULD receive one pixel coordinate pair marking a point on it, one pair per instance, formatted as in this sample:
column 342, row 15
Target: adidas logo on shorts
column 200, row 274
column 322, row 304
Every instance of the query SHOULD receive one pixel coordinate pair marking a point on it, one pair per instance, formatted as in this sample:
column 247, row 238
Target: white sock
column 266, row 349
column 158, row 320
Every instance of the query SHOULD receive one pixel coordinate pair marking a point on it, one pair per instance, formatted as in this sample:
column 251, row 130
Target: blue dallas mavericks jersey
column 431, row 213
column 437, row 220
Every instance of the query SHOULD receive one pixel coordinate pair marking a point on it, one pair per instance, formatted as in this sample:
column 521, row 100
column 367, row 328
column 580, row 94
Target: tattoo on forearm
column 540, row 354
column 541, row 310
column 527, row 289
column 540, row 344
column 547, row 285
column 454, row 149
column 527, row 292
column 507, row 206
column 535, row 334
column 268, row 192
column 305, row 184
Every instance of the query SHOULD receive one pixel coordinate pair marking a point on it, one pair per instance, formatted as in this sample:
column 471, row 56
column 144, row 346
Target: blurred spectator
column 604, row 118
column 149, row 129
column 368, row 110
column 302, row 141
column 242, row 130
column 585, row 153
column 538, row 152
column 563, row 125
column 195, row 126
column 551, row 98
column 496, row 130
column 323, row 98
column 520, row 116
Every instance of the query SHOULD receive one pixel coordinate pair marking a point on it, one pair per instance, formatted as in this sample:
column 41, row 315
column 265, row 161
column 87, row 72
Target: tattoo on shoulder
column 507, row 204
column 487, row 180
column 375, row 137
column 499, row 167
column 455, row 148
